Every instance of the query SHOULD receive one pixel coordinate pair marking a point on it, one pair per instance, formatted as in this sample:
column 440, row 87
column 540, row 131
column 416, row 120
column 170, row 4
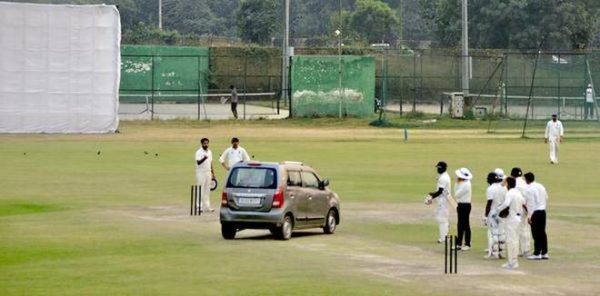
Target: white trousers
column 553, row 144
column 441, row 216
column 512, row 240
column 492, row 236
column 524, row 236
column 203, row 179
column 496, row 237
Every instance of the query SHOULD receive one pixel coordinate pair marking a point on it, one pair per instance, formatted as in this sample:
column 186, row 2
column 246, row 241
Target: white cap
column 464, row 173
column 500, row 173
column 590, row 85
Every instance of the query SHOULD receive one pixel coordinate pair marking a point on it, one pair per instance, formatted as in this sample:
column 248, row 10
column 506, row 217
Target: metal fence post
column 152, row 88
column 245, row 84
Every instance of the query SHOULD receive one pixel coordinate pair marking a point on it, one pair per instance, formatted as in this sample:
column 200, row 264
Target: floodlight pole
column 340, row 71
column 338, row 32
column 285, row 65
column 160, row 14
column 465, row 49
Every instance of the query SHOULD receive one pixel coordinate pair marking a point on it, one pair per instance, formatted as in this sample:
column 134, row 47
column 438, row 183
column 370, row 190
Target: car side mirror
column 323, row 184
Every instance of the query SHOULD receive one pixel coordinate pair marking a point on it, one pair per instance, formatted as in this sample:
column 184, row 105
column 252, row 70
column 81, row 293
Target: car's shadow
column 269, row 236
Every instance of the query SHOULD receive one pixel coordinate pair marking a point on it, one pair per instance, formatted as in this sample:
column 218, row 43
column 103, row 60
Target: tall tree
column 192, row 16
column 374, row 21
column 519, row 24
column 257, row 20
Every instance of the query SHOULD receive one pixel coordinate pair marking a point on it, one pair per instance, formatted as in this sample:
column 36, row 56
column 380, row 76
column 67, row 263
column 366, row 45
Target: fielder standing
column 524, row 228
column 512, row 202
column 441, row 195
column 536, row 203
column 204, row 174
column 588, row 109
column 233, row 154
column 554, row 136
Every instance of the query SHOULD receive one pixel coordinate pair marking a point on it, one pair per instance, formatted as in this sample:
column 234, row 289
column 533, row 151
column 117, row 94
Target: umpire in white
column 536, row 203
column 462, row 194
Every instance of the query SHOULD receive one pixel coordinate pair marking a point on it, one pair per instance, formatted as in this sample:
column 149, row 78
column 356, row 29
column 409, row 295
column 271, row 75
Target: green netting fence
column 165, row 73
column 332, row 85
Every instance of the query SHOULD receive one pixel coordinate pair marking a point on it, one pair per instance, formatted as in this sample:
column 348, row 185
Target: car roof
column 288, row 165
column 296, row 165
column 254, row 163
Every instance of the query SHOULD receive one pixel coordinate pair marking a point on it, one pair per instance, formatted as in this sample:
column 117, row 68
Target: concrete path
column 191, row 111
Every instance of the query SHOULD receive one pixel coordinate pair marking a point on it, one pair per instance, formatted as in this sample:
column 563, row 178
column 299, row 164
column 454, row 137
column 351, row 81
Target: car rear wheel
column 228, row 231
column 285, row 231
column 330, row 222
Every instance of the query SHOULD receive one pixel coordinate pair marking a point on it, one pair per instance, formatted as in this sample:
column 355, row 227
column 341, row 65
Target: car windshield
column 251, row 177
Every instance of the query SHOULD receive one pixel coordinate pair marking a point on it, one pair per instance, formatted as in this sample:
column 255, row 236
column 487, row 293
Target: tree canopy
column 512, row 24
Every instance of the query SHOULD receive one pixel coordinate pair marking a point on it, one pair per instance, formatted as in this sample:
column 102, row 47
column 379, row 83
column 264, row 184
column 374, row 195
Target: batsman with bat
column 442, row 195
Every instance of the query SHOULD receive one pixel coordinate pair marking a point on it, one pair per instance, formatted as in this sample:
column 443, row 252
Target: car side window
column 310, row 180
column 294, row 179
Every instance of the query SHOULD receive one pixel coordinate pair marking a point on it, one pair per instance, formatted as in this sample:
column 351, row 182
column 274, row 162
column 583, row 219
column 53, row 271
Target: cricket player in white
column 524, row 227
column 204, row 174
column 554, row 136
column 588, row 110
column 233, row 154
column 536, row 203
column 441, row 195
column 512, row 201
column 495, row 195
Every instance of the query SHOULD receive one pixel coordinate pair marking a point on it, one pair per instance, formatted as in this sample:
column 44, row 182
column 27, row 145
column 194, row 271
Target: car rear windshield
column 250, row 177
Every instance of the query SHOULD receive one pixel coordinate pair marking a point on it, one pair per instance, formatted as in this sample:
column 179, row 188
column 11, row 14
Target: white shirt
column 443, row 182
column 589, row 95
column 496, row 192
column 234, row 156
column 205, row 166
column 554, row 129
column 522, row 187
column 462, row 191
column 536, row 198
column 513, row 201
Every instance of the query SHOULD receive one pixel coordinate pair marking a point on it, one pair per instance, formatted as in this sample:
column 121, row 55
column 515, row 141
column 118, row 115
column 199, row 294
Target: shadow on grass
column 269, row 236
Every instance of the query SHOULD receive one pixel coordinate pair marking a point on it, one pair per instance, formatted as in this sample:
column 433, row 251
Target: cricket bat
column 452, row 201
column 224, row 99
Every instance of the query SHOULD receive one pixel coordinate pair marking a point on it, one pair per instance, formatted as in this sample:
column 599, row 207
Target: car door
column 297, row 196
column 316, row 198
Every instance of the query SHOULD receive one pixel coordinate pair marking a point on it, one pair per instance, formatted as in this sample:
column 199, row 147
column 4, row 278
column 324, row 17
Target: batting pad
column 59, row 68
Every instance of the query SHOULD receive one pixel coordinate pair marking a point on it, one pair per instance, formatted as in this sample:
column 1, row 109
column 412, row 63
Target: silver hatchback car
column 280, row 197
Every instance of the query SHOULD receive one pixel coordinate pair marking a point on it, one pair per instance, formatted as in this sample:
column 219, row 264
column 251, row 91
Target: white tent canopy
column 59, row 68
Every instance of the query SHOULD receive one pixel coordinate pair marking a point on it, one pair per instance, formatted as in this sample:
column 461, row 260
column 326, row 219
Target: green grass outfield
column 73, row 222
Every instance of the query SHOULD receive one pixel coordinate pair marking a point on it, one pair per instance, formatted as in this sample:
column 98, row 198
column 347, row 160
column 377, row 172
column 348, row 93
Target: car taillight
column 278, row 199
column 224, row 199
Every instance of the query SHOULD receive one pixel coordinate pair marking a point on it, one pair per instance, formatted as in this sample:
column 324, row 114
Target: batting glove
column 428, row 200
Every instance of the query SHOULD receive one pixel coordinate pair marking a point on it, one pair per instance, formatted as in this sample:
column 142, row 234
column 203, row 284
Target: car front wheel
column 330, row 222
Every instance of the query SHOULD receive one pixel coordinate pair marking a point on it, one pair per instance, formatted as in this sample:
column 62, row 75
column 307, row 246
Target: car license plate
column 248, row 201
